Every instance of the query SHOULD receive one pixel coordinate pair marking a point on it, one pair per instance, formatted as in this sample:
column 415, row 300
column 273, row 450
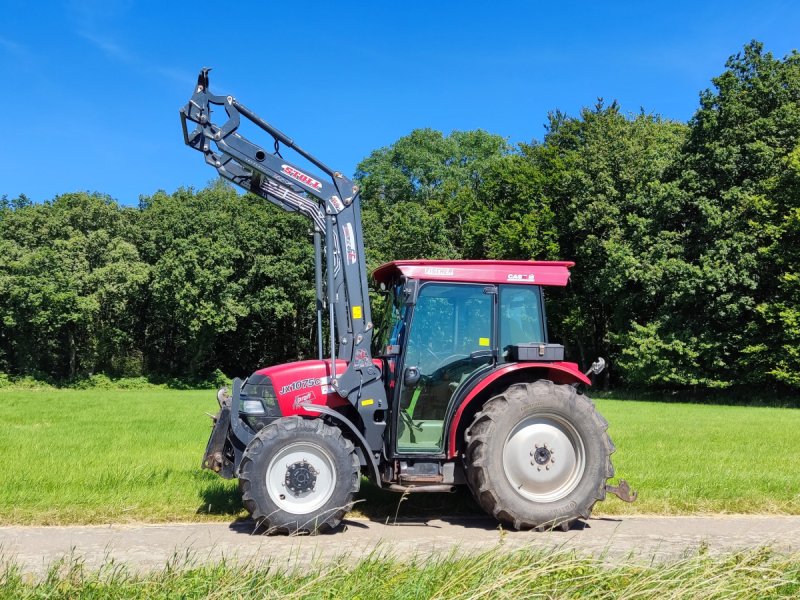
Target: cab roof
column 537, row 272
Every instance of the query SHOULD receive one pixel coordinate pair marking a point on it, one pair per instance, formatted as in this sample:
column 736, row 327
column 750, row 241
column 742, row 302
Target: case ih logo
column 521, row 277
column 306, row 180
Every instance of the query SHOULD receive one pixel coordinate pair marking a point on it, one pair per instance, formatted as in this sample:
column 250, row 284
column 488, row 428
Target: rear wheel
column 538, row 455
column 299, row 475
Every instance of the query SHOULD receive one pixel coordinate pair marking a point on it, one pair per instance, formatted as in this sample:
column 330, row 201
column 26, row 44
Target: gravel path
column 145, row 547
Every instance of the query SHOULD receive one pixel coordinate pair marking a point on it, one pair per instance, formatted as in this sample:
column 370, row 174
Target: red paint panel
column 557, row 372
column 523, row 272
column 306, row 382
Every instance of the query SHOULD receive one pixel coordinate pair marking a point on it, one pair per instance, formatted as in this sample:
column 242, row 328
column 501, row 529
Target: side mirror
column 411, row 376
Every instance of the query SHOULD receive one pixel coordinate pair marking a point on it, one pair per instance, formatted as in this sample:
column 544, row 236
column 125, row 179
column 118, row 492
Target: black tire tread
column 481, row 435
column 287, row 427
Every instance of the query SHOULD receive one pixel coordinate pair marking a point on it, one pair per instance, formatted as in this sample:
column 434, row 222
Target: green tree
column 231, row 285
column 419, row 193
column 731, row 315
column 602, row 173
column 68, row 274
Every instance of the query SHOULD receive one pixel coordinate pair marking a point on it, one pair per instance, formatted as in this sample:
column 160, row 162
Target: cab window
column 520, row 316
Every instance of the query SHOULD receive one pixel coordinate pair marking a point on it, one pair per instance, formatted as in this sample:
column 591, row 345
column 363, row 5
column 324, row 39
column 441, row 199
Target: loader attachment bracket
column 622, row 491
column 214, row 458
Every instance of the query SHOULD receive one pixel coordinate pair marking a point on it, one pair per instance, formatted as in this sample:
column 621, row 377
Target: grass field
column 98, row 456
column 494, row 574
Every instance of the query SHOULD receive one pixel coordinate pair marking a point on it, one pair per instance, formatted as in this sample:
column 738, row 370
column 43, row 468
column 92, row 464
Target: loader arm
column 333, row 206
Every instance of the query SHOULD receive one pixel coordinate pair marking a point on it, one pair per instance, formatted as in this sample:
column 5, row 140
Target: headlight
column 253, row 407
column 258, row 397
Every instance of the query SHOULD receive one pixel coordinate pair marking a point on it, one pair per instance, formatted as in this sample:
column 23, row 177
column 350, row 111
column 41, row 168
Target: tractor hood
column 306, row 382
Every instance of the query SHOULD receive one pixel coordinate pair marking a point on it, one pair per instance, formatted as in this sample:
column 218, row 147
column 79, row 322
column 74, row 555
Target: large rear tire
column 538, row 456
column 299, row 475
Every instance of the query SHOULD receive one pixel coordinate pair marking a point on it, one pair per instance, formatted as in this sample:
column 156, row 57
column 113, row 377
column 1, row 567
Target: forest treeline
column 686, row 238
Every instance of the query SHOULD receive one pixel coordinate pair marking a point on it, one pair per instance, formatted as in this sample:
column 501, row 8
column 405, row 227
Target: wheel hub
column 301, row 477
column 541, row 454
column 544, row 457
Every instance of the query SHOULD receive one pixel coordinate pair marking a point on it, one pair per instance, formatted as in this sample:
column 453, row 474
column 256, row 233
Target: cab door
column 451, row 336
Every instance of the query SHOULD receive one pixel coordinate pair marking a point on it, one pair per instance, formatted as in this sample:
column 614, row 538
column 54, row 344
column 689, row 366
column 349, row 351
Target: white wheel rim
column 544, row 458
column 301, row 503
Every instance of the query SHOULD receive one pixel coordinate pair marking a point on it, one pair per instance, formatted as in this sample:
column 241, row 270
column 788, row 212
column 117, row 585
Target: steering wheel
column 450, row 360
column 433, row 354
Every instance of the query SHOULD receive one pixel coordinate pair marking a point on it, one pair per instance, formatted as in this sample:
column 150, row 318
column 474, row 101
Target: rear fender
column 558, row 372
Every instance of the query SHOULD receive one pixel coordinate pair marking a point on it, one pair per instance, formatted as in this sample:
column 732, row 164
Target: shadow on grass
column 382, row 506
column 386, row 506
column 220, row 498
column 458, row 508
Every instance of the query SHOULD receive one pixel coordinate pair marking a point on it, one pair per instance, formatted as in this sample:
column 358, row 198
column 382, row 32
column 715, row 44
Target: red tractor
column 457, row 385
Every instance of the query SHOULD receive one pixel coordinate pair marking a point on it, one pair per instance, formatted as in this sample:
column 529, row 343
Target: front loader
column 458, row 385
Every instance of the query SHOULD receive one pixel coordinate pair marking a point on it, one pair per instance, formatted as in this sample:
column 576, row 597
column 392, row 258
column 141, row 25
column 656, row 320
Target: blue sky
column 90, row 90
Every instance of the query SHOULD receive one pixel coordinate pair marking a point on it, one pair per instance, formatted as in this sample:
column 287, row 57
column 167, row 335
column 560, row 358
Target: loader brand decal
column 337, row 204
column 301, row 399
column 521, row 277
column 350, row 244
column 438, row 272
column 306, row 180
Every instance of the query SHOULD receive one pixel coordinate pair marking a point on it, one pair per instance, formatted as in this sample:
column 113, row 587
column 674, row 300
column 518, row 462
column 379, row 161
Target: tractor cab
column 446, row 326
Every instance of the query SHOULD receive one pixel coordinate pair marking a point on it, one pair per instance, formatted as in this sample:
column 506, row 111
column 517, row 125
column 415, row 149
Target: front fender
column 369, row 455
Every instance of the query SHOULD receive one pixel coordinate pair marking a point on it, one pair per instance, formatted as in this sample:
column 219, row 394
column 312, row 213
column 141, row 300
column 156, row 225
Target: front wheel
column 538, row 455
column 299, row 475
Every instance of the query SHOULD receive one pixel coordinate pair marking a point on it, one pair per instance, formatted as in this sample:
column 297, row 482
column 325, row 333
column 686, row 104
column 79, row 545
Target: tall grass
column 96, row 456
column 692, row 458
column 494, row 574
column 99, row 456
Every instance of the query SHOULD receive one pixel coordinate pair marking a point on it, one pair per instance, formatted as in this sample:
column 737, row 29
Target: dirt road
column 146, row 547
